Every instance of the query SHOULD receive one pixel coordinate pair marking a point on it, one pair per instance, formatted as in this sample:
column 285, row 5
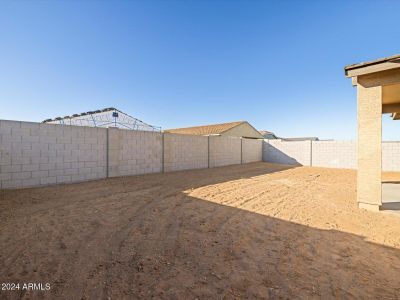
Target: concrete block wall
column 287, row 152
column 252, row 150
column 183, row 152
column 225, row 151
column 334, row 154
column 328, row 154
column 391, row 156
column 134, row 152
column 35, row 154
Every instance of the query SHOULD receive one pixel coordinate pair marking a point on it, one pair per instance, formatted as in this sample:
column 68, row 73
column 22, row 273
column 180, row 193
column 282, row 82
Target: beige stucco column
column 369, row 175
column 378, row 91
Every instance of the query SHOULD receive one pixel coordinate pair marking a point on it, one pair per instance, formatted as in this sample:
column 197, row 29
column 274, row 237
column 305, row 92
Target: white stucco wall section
column 330, row 154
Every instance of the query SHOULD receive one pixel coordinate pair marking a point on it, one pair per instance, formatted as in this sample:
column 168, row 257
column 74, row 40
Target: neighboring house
column 271, row 136
column 107, row 117
column 236, row 129
column 296, row 139
column 268, row 135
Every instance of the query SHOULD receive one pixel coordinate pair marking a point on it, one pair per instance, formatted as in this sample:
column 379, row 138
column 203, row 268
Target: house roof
column 372, row 62
column 268, row 134
column 206, row 129
column 264, row 132
column 376, row 65
column 305, row 138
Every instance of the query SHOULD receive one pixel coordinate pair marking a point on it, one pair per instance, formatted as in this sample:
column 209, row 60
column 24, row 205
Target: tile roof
column 394, row 58
column 206, row 129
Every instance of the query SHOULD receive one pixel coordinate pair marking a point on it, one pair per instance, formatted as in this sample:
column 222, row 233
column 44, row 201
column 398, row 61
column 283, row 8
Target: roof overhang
column 383, row 72
column 378, row 65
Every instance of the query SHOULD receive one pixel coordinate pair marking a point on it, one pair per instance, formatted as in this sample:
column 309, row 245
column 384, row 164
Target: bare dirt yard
column 248, row 231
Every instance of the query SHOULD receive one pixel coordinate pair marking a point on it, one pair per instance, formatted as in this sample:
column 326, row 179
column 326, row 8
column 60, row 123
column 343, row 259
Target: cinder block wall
column 328, row 154
column 285, row 152
column 134, row 152
column 334, row 154
column 251, row 150
column 391, row 156
column 34, row 154
column 224, row 151
column 183, row 152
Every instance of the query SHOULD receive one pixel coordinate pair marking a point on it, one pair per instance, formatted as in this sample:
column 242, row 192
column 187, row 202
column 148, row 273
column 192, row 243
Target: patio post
column 369, row 175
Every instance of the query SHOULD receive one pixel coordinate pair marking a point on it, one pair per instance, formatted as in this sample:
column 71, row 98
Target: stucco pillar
column 369, row 175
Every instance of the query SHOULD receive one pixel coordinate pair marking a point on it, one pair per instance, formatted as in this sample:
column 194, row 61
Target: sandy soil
column 252, row 231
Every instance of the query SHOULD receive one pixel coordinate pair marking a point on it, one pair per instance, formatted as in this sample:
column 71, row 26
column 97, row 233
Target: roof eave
column 236, row 125
column 374, row 66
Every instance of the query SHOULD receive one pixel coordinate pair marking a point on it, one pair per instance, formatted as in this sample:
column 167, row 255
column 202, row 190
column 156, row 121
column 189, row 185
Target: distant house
column 271, row 136
column 268, row 135
column 236, row 129
column 296, row 139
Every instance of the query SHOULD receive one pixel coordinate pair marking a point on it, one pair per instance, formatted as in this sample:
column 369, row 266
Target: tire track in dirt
column 110, row 241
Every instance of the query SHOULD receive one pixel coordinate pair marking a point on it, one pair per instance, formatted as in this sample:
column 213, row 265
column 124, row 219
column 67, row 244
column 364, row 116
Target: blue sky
column 277, row 64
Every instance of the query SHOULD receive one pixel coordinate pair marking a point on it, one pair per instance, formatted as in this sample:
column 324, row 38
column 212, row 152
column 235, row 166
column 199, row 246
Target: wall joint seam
column 107, row 152
column 162, row 153
column 208, row 152
column 241, row 151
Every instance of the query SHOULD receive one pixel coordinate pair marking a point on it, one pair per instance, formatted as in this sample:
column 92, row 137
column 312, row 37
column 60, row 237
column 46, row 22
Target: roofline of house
column 301, row 138
column 197, row 126
column 238, row 123
column 242, row 122
column 377, row 65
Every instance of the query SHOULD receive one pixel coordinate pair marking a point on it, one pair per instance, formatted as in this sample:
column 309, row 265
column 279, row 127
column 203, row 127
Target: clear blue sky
column 277, row 64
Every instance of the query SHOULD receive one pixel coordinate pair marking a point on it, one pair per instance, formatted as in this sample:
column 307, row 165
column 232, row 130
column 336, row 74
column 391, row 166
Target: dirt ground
column 249, row 231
